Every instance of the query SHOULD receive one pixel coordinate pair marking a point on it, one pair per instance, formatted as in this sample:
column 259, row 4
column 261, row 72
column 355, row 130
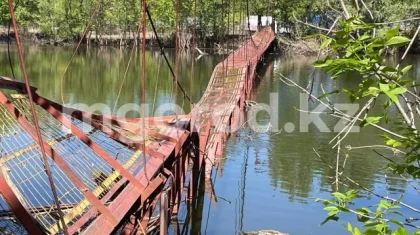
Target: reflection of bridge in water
column 114, row 175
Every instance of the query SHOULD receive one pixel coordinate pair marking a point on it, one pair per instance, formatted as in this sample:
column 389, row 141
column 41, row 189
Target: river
column 265, row 180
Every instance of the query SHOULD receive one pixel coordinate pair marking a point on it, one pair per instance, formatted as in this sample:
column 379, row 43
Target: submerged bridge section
column 217, row 114
column 110, row 174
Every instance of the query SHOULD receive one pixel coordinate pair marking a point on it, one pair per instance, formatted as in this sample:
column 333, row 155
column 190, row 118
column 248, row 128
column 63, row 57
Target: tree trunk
column 259, row 22
column 273, row 24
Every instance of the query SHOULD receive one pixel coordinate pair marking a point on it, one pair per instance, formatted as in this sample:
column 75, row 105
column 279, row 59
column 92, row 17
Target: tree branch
column 313, row 26
column 346, row 12
column 398, row 21
column 368, row 190
column 335, row 112
column 371, row 16
column 395, row 150
column 409, row 46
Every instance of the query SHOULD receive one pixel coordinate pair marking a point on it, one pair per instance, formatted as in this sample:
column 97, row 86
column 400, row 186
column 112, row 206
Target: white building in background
column 253, row 22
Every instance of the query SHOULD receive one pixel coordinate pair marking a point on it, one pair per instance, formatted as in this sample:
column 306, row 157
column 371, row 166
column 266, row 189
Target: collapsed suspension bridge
column 104, row 174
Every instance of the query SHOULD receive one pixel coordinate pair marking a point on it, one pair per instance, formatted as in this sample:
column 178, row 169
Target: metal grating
column 22, row 166
column 8, row 222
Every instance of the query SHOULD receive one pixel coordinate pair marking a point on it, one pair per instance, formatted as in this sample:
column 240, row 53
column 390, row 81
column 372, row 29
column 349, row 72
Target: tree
column 357, row 49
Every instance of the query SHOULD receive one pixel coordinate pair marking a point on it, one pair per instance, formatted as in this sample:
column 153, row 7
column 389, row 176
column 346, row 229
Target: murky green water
column 265, row 181
column 269, row 181
column 95, row 75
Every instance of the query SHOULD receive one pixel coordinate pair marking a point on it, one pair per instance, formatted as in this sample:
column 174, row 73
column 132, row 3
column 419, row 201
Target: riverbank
column 310, row 47
column 285, row 45
column 221, row 45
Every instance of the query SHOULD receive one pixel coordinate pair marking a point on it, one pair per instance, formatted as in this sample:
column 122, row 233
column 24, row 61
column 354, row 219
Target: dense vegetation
column 355, row 47
column 66, row 19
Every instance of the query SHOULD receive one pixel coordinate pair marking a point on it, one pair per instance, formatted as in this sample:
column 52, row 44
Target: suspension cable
column 249, row 25
column 227, row 37
column 8, row 44
column 143, row 83
column 128, row 66
column 241, row 24
column 75, row 51
column 164, row 56
column 8, row 50
column 194, row 46
column 35, row 118
column 176, row 48
column 233, row 32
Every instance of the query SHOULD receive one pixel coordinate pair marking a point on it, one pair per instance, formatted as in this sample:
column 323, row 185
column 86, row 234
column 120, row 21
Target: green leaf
column 397, row 41
column 362, row 217
column 406, row 69
column 331, row 208
column 387, row 69
column 399, row 90
column 387, row 119
column 326, row 43
column 383, row 87
column 333, row 217
column 366, row 209
column 371, row 224
column 364, row 37
column 392, row 32
column 371, row 232
column 387, row 104
column 332, row 213
column 356, row 231
column 381, row 227
column 397, row 213
column 349, row 227
column 393, row 143
column 373, row 120
column 400, row 231
column 352, row 194
column 328, row 94
column 384, row 204
column 392, row 96
column 394, row 221
column 322, row 63
column 339, row 196
column 373, row 91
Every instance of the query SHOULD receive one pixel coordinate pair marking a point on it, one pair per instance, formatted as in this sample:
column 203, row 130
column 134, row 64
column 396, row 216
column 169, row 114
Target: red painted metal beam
column 8, row 83
column 123, row 203
column 61, row 163
column 92, row 212
column 115, row 135
column 18, row 209
column 125, row 122
column 120, row 210
column 131, row 124
column 94, row 146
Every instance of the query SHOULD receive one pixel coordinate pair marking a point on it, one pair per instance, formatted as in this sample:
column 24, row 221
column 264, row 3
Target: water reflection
column 95, row 75
column 273, row 178
column 264, row 181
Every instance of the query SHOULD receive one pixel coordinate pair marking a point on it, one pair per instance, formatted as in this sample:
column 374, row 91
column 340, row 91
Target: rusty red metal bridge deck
column 111, row 174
